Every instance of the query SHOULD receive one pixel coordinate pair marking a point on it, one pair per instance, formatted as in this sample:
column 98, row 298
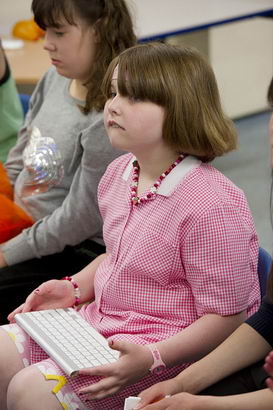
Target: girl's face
column 72, row 49
column 133, row 125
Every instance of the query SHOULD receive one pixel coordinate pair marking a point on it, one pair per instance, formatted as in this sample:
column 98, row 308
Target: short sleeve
column 220, row 261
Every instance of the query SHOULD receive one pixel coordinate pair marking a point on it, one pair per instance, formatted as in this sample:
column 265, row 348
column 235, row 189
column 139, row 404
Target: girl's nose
column 113, row 106
column 48, row 44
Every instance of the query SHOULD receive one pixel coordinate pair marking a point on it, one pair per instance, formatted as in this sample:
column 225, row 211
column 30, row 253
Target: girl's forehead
column 61, row 21
column 115, row 73
column 58, row 17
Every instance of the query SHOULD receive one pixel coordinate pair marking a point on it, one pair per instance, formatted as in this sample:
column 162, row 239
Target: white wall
column 11, row 11
column 241, row 55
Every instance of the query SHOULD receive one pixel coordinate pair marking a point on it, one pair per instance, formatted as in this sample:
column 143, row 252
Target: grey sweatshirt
column 64, row 205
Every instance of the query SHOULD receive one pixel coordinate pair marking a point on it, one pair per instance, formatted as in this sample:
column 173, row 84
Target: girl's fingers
column 101, row 390
column 12, row 314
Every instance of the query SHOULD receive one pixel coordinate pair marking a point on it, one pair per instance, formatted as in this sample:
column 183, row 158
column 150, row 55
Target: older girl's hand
column 185, row 401
column 3, row 262
column 268, row 366
column 159, row 391
column 134, row 363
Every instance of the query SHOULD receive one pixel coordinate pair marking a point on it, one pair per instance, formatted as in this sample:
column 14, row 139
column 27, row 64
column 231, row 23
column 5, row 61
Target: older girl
column 62, row 149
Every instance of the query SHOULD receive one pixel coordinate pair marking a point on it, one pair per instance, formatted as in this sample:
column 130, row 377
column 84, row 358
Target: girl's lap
column 65, row 388
column 62, row 390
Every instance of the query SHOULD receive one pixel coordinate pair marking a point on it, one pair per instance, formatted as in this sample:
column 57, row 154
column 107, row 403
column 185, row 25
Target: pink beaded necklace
column 153, row 190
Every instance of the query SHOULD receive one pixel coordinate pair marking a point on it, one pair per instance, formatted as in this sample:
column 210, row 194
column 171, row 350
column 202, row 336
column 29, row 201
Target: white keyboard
column 67, row 338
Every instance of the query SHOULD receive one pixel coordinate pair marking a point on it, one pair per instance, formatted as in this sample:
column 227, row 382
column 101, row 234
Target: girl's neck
column 152, row 165
column 78, row 90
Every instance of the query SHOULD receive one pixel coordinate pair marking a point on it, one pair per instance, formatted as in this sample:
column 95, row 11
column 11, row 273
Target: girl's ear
column 96, row 31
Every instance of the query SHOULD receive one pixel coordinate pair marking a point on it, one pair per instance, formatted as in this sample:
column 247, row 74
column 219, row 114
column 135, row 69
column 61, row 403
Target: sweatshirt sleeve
column 78, row 217
column 14, row 164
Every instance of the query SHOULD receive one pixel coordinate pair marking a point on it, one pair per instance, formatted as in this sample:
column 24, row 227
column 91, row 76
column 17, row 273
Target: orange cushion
column 13, row 219
column 5, row 185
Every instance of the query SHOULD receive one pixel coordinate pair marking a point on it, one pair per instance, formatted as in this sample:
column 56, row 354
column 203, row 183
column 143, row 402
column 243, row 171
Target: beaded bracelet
column 77, row 292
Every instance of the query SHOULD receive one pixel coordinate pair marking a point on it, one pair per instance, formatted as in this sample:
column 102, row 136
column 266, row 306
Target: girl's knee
column 27, row 388
column 20, row 387
column 10, row 359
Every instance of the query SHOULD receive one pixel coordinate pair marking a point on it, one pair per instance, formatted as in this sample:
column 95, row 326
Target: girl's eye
column 112, row 94
column 59, row 33
column 133, row 99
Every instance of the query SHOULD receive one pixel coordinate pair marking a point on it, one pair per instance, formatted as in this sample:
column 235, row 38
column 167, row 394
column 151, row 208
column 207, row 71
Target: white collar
column 173, row 178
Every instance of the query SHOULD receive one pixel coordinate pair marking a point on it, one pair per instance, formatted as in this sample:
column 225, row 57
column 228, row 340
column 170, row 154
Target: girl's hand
column 268, row 366
column 3, row 262
column 183, row 401
column 49, row 295
column 134, row 363
column 159, row 391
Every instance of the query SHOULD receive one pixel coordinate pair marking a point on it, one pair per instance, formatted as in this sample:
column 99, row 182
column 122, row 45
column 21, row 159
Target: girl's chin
column 120, row 147
column 117, row 144
column 64, row 73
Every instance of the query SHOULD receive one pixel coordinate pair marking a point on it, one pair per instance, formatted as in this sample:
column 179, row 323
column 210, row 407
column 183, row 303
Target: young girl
column 180, row 272
column 237, row 365
column 62, row 149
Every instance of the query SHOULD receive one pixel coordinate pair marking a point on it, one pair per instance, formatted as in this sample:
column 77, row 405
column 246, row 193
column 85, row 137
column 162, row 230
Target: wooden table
column 28, row 63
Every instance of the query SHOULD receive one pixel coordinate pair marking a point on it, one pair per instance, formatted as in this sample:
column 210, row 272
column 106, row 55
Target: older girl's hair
column 113, row 24
column 180, row 80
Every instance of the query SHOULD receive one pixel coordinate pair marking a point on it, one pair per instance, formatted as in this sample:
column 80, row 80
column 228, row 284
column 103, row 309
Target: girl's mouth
column 113, row 124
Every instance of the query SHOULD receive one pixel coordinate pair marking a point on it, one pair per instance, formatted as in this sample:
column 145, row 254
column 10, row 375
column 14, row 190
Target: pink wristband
column 158, row 365
column 77, row 292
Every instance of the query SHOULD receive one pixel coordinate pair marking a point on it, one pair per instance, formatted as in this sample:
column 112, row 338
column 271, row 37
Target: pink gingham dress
column 190, row 251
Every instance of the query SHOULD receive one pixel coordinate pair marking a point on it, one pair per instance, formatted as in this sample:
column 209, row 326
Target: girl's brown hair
column 180, row 80
column 113, row 24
